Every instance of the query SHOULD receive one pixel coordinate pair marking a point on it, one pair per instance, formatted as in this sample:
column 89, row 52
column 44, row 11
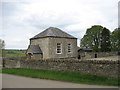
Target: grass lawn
column 63, row 76
column 13, row 53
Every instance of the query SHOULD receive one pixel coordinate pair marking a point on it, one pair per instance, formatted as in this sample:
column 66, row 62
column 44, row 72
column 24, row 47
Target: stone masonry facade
column 48, row 47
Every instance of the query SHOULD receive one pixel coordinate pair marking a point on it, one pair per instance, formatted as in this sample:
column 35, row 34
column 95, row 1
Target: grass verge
column 63, row 76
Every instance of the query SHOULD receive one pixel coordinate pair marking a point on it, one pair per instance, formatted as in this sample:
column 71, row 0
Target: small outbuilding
column 84, row 53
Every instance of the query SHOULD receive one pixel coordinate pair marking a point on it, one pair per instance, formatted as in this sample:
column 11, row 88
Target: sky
column 20, row 20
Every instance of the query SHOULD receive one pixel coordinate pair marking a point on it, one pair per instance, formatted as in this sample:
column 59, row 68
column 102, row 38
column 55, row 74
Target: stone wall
column 88, row 55
column 107, row 68
column 64, row 41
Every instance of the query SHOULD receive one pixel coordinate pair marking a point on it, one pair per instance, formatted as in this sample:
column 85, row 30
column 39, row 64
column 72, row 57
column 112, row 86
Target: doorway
column 95, row 55
column 79, row 57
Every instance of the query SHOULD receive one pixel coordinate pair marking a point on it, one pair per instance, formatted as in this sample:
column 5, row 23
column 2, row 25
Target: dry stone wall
column 107, row 68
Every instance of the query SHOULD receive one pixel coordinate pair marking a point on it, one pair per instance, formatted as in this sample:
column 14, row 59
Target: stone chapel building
column 52, row 43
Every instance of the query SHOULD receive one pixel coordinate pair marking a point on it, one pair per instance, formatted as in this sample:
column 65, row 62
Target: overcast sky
column 23, row 19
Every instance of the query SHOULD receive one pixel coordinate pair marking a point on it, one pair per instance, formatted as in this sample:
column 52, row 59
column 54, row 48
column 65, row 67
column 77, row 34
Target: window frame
column 69, row 48
column 59, row 49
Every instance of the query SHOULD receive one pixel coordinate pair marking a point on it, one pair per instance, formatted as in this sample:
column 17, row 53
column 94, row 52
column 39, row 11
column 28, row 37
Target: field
column 13, row 53
column 63, row 76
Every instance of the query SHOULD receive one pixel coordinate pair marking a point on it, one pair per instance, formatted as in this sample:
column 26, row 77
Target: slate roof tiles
column 53, row 32
column 35, row 49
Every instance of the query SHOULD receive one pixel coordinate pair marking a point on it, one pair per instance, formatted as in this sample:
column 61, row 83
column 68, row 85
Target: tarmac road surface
column 13, row 81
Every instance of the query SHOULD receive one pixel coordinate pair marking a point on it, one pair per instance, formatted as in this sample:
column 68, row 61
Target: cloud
column 23, row 20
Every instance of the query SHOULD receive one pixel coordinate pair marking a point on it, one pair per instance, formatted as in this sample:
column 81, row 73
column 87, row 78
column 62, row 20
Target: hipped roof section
column 53, row 32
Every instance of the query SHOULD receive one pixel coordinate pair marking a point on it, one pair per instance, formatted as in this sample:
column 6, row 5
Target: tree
column 85, row 42
column 92, row 38
column 115, row 40
column 105, row 40
column 97, row 38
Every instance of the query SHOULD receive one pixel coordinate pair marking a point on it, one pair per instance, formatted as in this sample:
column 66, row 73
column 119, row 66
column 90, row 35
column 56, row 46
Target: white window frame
column 69, row 48
column 57, row 49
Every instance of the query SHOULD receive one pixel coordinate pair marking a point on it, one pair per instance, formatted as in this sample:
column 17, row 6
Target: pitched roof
column 35, row 49
column 53, row 32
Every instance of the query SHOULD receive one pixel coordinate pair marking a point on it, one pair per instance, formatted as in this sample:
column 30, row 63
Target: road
column 13, row 81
